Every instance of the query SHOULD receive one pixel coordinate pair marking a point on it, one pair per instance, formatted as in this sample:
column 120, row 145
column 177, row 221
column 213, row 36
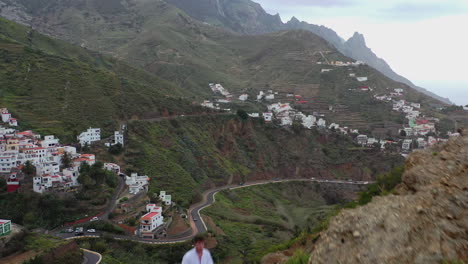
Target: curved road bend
column 91, row 257
column 196, row 221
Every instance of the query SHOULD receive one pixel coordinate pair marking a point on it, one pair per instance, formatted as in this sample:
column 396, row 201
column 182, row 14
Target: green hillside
column 58, row 88
column 165, row 41
column 187, row 155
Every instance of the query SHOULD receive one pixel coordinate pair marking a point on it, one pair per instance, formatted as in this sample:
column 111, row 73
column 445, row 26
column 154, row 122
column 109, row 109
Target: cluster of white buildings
column 7, row 118
column 343, row 63
column 287, row 115
column 137, row 183
column 16, row 148
column 269, row 95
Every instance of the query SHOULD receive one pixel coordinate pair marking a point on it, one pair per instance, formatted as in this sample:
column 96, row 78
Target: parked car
column 68, row 230
column 94, row 219
column 79, row 229
column 91, row 230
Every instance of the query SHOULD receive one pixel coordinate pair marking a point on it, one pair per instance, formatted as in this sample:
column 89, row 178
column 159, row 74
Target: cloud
column 316, row 3
column 423, row 10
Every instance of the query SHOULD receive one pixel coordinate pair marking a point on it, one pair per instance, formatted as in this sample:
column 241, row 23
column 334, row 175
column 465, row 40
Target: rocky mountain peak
column 357, row 40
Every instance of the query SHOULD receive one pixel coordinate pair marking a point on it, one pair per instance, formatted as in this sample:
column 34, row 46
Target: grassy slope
column 57, row 88
column 253, row 219
column 187, row 155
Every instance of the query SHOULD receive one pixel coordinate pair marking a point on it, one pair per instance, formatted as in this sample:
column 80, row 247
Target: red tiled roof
column 149, row 216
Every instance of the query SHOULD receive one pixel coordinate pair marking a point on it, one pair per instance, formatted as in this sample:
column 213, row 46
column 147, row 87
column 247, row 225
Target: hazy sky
column 426, row 41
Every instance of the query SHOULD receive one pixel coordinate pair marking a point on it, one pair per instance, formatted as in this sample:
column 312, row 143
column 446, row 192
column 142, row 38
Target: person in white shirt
column 199, row 254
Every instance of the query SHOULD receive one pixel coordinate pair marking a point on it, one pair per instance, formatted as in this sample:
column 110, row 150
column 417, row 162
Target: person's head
column 199, row 242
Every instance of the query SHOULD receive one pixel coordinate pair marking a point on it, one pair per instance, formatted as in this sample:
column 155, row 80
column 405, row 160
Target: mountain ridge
column 260, row 22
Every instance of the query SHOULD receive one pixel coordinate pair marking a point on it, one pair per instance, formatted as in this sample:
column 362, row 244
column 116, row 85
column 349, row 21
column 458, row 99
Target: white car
column 94, row 219
column 91, row 230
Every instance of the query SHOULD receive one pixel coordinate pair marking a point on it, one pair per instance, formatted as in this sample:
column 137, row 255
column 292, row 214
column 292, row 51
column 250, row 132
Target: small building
column 361, row 79
column 5, row 227
column 89, row 136
column 321, row 123
column 13, row 122
column 13, row 183
column 136, row 183
column 398, row 90
column 326, row 70
column 362, row 139
column 243, row 97
column 268, row 117
column 50, row 141
column 254, row 115
column 112, row 167
column 407, row 144
column 352, row 75
column 269, row 97
column 151, row 221
column 286, row 121
column 5, row 115
column 118, row 138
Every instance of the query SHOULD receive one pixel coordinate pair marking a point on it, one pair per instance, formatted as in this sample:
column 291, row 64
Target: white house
column 352, row 75
column 150, row 221
column 89, row 136
column 407, row 144
column 136, row 183
column 321, row 123
column 326, row 70
column 112, row 167
column 243, row 97
column 371, row 142
column 50, row 141
column 286, row 121
column 268, row 117
column 398, row 90
column 334, row 126
column 260, row 95
column 118, row 138
column 361, row 79
column 362, row 139
column 47, row 169
column 8, row 160
column 416, row 105
column 269, row 97
column 13, row 122
column 5, row 115
column 309, row 121
column 254, row 115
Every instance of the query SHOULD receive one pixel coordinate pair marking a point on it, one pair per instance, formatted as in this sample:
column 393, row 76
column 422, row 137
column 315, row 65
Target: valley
column 129, row 127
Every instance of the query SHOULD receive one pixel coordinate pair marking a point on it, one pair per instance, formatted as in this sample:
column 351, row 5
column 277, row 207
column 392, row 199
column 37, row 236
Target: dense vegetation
column 187, row 155
column 247, row 222
column 61, row 89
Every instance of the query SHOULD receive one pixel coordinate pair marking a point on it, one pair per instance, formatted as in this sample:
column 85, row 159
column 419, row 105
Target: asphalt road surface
column 90, row 257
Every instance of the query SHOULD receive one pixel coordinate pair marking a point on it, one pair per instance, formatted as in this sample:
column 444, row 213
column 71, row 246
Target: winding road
column 196, row 221
column 91, row 257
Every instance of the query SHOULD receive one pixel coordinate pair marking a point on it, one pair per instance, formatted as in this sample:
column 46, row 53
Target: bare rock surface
column 426, row 222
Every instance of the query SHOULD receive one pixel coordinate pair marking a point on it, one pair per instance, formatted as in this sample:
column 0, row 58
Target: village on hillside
column 43, row 165
column 419, row 131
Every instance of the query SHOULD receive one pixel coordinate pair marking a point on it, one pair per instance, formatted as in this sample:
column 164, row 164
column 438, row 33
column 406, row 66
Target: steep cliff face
column 426, row 222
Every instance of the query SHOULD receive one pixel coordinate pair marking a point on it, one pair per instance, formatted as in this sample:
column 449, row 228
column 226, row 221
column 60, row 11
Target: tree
column 3, row 185
column 242, row 114
column 403, row 133
column 115, row 149
column 66, row 160
column 28, row 169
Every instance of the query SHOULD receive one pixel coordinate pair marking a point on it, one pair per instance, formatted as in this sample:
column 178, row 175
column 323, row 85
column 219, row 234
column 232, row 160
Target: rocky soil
column 425, row 222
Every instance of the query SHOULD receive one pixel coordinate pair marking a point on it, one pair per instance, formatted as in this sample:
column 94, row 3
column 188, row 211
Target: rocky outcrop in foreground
column 426, row 222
